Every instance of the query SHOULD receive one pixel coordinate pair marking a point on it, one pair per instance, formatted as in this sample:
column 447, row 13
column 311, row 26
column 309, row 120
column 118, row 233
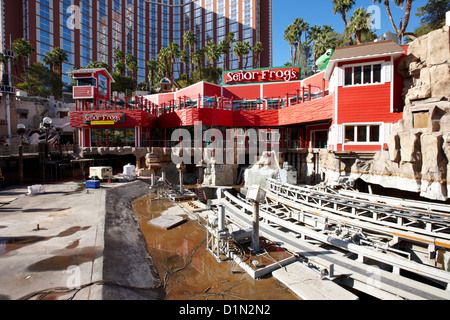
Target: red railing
column 301, row 95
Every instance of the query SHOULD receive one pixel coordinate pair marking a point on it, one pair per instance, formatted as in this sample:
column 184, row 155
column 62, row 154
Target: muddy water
column 189, row 271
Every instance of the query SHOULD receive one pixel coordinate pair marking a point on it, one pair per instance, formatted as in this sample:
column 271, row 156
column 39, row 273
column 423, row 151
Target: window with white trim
column 363, row 74
column 362, row 133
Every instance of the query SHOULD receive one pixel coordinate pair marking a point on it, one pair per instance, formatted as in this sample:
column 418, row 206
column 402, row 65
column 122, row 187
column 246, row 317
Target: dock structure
column 343, row 253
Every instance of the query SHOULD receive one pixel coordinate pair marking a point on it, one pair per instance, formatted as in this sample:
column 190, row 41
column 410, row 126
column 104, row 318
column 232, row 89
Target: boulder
column 438, row 47
column 410, row 146
column 394, row 148
column 419, row 48
column 440, row 80
column 434, row 167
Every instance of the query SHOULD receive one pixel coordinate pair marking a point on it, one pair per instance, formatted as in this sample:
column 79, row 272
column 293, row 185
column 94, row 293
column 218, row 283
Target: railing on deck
column 34, row 149
column 301, row 95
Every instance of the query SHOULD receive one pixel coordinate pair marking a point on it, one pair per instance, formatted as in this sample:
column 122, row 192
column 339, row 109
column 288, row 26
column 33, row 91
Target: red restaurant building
column 349, row 107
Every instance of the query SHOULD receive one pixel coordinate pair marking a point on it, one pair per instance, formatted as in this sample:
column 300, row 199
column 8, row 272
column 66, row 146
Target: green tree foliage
column 39, row 82
column 293, row 35
column 23, row 50
column 432, row 16
column 358, row 24
column 343, row 7
column 55, row 59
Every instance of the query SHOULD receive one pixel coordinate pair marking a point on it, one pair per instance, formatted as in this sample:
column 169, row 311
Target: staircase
column 200, row 193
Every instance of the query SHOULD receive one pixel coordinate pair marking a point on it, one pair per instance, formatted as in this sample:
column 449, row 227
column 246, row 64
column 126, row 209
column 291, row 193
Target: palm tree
column 293, row 34
column 343, row 7
column 190, row 40
column 53, row 58
column 152, row 67
column 358, row 24
column 212, row 53
column 50, row 60
column 199, row 59
column 240, row 49
column 184, row 58
column 23, row 50
column 60, row 57
column 327, row 39
column 246, row 49
column 399, row 3
column 173, row 51
column 230, row 39
column 163, row 59
column 225, row 49
column 119, row 66
column 291, row 37
column 314, row 33
column 132, row 66
column 98, row 64
column 257, row 50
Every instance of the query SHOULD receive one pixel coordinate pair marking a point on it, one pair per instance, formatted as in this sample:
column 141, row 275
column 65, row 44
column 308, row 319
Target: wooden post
column 323, row 87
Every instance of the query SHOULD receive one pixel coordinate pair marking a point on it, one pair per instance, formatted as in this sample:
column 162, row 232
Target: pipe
column 221, row 218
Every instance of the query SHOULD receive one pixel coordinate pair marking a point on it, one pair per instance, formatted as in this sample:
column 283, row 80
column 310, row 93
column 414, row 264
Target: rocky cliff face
column 421, row 141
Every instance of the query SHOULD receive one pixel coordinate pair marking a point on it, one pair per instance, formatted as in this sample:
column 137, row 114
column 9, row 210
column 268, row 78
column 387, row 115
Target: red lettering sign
column 262, row 75
column 116, row 117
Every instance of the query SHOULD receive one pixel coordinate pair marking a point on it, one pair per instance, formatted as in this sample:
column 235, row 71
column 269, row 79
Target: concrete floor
column 79, row 241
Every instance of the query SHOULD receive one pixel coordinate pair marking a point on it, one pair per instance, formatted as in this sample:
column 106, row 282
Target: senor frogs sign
column 103, row 119
column 286, row 74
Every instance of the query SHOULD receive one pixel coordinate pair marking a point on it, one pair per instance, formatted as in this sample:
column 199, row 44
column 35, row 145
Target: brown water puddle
column 200, row 277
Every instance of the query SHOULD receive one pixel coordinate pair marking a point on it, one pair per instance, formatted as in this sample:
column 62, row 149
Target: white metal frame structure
column 313, row 236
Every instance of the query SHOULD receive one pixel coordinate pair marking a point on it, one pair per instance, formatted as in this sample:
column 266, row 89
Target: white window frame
column 367, row 125
column 383, row 77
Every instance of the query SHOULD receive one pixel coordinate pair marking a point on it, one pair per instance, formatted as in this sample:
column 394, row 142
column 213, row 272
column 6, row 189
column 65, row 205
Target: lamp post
column 45, row 126
column 21, row 131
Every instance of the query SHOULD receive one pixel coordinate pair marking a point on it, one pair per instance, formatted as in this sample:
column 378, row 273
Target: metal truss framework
column 422, row 223
column 323, row 232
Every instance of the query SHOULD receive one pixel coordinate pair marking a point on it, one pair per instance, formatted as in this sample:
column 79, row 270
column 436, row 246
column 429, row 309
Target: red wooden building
column 102, row 121
column 349, row 107
column 368, row 95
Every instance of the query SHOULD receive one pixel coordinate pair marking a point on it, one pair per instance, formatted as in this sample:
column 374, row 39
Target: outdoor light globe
column 20, row 128
column 47, row 122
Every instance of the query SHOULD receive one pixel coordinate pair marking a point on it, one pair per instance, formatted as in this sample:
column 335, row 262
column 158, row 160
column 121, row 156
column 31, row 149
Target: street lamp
column 45, row 125
column 20, row 131
column 46, row 122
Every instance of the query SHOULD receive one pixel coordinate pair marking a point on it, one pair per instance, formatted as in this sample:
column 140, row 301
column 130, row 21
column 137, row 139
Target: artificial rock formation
column 419, row 141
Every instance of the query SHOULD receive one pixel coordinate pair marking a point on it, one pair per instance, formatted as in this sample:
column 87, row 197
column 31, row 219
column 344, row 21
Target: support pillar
column 255, row 233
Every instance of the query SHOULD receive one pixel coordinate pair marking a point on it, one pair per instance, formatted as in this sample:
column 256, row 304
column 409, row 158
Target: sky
column 320, row 12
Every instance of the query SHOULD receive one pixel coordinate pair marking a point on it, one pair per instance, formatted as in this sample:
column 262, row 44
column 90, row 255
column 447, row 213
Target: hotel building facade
column 91, row 30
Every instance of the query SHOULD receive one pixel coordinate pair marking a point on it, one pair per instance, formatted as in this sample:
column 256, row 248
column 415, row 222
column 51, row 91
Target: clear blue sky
column 320, row 12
